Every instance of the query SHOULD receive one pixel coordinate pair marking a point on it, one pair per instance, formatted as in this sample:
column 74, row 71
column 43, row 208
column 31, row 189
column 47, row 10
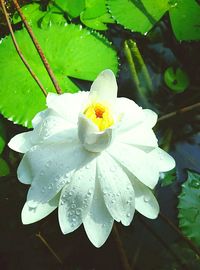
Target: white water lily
column 95, row 157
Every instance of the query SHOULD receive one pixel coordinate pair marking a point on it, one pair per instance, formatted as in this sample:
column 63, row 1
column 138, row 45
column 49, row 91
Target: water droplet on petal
column 128, row 214
column 146, row 198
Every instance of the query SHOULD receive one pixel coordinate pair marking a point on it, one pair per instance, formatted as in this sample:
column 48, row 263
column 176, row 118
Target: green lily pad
column 32, row 12
column 138, row 15
column 4, row 168
column 189, row 207
column 168, row 178
column 185, row 19
column 71, row 52
column 72, row 7
column 176, row 79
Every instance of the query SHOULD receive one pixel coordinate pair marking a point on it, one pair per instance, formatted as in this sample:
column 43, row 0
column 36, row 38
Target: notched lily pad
column 71, row 52
column 185, row 19
column 138, row 15
column 189, row 207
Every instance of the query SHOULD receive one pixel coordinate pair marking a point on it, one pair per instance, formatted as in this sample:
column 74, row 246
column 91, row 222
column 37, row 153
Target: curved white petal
column 30, row 215
column 98, row 222
column 67, row 105
column 145, row 202
column 22, row 142
column 104, row 88
column 150, row 118
column 137, row 162
column 164, row 161
column 139, row 136
column 129, row 114
column 53, row 166
column 24, row 171
column 76, row 198
column 117, row 190
column 92, row 139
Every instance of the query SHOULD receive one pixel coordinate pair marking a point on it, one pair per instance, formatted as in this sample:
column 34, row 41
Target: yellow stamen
column 100, row 115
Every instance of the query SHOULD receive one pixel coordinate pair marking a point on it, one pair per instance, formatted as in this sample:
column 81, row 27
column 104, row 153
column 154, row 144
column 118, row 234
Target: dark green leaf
column 189, row 207
column 4, row 168
column 167, row 178
column 2, row 137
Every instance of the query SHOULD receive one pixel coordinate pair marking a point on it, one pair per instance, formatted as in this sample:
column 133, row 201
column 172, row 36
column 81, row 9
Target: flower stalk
column 18, row 49
column 38, row 48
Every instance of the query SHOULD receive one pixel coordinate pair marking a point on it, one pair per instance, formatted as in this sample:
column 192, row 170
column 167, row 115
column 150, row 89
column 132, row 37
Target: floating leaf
column 72, row 7
column 32, row 12
column 176, row 79
column 4, row 168
column 71, row 52
column 185, row 19
column 189, row 207
column 167, row 178
column 138, row 15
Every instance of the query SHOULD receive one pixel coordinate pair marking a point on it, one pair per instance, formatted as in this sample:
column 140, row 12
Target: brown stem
column 183, row 110
column 164, row 244
column 120, row 249
column 48, row 247
column 18, row 49
column 176, row 229
column 39, row 49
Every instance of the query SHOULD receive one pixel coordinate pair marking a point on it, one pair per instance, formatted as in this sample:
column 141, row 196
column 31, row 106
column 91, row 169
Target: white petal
column 164, row 161
column 53, row 166
column 145, row 202
column 140, row 136
column 30, row 215
column 117, row 189
column 137, row 162
column 150, row 118
column 67, row 105
column 129, row 113
column 76, row 198
column 22, row 142
column 50, row 126
column 24, row 171
column 98, row 222
column 104, row 88
column 92, row 139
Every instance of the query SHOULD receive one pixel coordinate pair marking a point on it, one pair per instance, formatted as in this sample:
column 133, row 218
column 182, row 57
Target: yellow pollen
column 100, row 115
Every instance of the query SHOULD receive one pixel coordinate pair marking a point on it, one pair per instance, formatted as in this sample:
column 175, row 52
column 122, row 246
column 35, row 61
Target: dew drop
column 146, row 199
column 112, row 169
column 78, row 211
column 128, row 215
column 73, row 206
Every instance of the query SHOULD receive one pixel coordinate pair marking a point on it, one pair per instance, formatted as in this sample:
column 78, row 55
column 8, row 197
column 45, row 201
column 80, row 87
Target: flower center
column 100, row 115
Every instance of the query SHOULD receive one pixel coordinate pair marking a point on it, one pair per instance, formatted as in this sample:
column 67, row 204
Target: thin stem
column 39, row 49
column 176, row 229
column 165, row 245
column 120, row 248
column 18, row 49
column 137, row 57
column 182, row 110
column 48, row 247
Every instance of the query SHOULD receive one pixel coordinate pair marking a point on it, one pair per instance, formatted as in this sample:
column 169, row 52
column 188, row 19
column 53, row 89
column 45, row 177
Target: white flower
column 95, row 157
